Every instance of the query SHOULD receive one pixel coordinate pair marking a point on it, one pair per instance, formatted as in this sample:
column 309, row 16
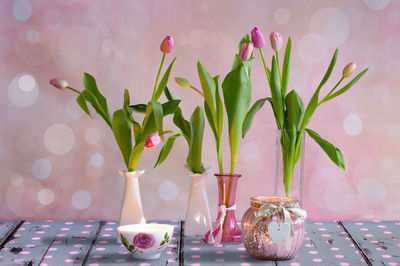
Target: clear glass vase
column 295, row 189
column 226, row 219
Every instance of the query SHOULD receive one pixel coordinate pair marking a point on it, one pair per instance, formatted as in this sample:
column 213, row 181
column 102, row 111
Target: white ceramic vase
column 132, row 209
column 197, row 221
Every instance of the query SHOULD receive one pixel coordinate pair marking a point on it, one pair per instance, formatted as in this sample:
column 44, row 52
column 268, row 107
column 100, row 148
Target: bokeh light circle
column 92, row 135
column 27, row 94
column 353, row 125
column 41, row 168
column 59, row 138
column 376, row 5
column 45, row 196
column 332, row 24
column 97, row 159
column 22, row 10
column 168, row 190
column 282, row 15
column 81, row 200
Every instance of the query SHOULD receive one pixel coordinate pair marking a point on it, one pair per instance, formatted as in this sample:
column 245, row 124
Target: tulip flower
column 152, row 141
column 276, row 40
column 167, row 45
column 257, row 38
column 59, row 83
column 349, row 69
column 245, row 51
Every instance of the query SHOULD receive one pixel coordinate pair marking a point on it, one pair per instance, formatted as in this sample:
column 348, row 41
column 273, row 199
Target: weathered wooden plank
column 49, row 243
column 326, row 243
column 106, row 250
column 197, row 252
column 379, row 241
column 7, row 228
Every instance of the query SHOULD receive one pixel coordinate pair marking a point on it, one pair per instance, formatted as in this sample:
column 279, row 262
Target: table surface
column 94, row 243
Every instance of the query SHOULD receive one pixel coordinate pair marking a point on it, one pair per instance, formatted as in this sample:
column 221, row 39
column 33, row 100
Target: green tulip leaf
column 250, row 115
column 182, row 124
column 128, row 114
column 209, row 90
column 286, row 68
column 168, row 94
column 275, row 85
column 333, row 152
column 237, row 96
column 81, row 100
column 220, row 107
column 196, row 141
column 294, row 111
column 138, row 108
column 135, row 155
column 122, row 133
column 163, row 83
column 166, row 149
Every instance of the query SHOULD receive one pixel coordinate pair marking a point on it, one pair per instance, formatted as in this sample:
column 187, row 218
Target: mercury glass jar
column 273, row 228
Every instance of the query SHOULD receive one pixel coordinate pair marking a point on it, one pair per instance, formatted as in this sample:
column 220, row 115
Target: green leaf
column 122, row 133
column 275, row 85
column 89, row 97
column 128, row 114
column 162, row 243
column 237, row 96
column 138, row 108
column 294, row 111
column 170, row 107
column 250, row 115
column 163, row 83
column 166, row 235
column 158, row 116
column 210, row 119
column 168, row 94
column 124, row 241
column 220, row 107
column 196, row 141
column 313, row 104
column 89, row 83
column 82, row 103
column 135, row 155
column 182, row 124
column 132, row 248
column 209, row 90
column 286, row 67
column 166, row 149
column 333, row 152
column 347, row 86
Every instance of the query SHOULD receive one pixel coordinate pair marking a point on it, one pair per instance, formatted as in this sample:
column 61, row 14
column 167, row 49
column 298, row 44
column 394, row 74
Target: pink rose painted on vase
column 143, row 240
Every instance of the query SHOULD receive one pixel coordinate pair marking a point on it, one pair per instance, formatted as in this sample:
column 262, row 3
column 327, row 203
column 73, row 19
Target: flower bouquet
column 123, row 125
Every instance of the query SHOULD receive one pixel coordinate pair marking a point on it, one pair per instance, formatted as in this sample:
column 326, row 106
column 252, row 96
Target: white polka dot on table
column 281, row 16
column 81, row 199
column 23, row 93
column 41, row 168
column 330, row 23
column 46, row 196
column 22, row 10
column 97, row 159
column 376, row 5
column 352, row 125
column 312, row 48
column 168, row 191
column 59, row 139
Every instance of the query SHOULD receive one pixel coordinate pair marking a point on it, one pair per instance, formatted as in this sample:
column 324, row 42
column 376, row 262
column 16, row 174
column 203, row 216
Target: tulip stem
column 72, row 89
column 198, row 91
column 158, row 76
column 279, row 68
column 172, row 132
column 329, row 94
column 265, row 64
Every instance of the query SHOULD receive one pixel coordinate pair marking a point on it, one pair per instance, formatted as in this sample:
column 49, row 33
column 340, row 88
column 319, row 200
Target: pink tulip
column 257, row 38
column 245, row 51
column 167, row 45
column 152, row 141
column 349, row 69
column 59, row 83
column 276, row 40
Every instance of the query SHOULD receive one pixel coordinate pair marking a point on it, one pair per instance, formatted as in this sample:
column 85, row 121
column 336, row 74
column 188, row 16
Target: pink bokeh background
column 57, row 163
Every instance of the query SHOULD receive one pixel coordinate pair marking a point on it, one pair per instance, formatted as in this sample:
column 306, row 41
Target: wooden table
column 94, row 243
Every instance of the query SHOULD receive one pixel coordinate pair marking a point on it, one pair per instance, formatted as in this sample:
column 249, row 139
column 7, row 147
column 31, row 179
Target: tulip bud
column 167, row 45
column 257, row 38
column 152, row 141
column 182, row 82
column 348, row 70
column 59, row 83
column 245, row 51
column 276, row 40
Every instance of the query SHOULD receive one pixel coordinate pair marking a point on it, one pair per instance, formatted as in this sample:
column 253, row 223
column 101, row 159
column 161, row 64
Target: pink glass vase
column 231, row 233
